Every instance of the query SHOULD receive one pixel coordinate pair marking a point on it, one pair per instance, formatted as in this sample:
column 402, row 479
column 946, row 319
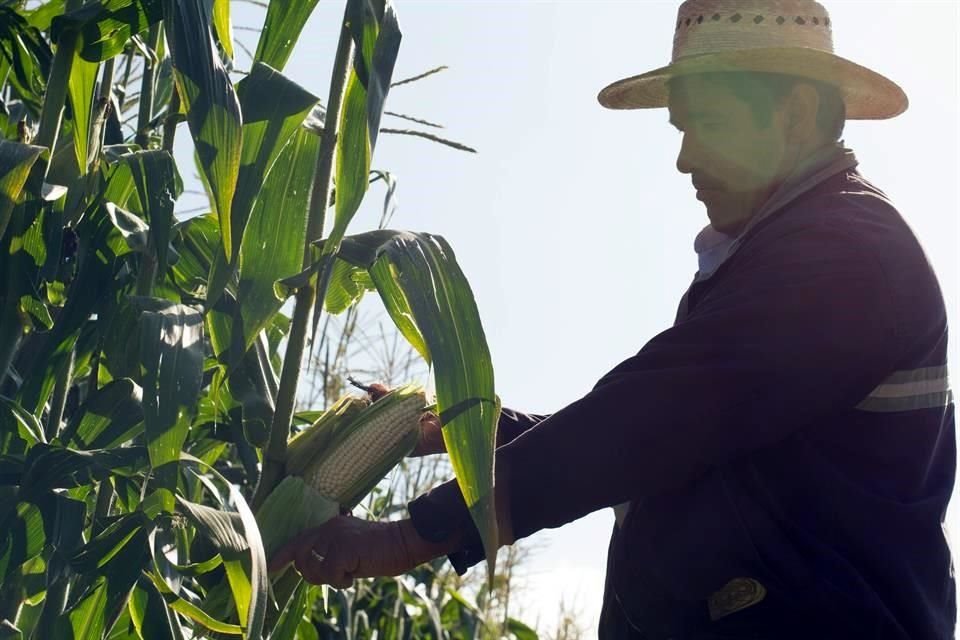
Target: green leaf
column 42, row 16
column 87, row 620
column 27, row 55
column 259, row 585
column 250, row 382
column 37, row 310
column 429, row 298
column 384, row 275
column 520, row 631
column 273, row 244
column 151, row 618
column 109, row 417
column 381, row 63
column 48, row 467
column 171, row 352
column 132, row 233
column 286, row 627
column 273, row 109
column 23, row 538
column 239, row 586
column 224, row 529
column 223, row 26
column 28, row 426
column 347, row 285
column 101, row 550
column 158, row 184
column 105, row 26
column 93, row 284
column 213, row 111
column 377, row 40
column 281, row 30
column 192, row 611
column 353, row 159
column 196, row 241
column 16, row 160
column 83, row 80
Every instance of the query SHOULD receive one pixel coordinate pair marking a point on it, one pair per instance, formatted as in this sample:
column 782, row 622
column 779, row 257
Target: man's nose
column 685, row 159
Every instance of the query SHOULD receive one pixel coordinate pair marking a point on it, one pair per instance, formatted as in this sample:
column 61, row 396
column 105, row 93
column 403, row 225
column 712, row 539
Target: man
column 780, row 460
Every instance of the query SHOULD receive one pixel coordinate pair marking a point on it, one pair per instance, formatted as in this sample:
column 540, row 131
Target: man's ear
column 802, row 106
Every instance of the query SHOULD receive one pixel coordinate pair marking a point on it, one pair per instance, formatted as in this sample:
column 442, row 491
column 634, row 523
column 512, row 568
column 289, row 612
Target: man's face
column 734, row 162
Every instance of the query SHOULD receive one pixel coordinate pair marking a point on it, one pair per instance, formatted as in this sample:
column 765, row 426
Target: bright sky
column 572, row 223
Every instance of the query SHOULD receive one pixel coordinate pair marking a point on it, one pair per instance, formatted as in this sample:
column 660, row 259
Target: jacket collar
column 714, row 248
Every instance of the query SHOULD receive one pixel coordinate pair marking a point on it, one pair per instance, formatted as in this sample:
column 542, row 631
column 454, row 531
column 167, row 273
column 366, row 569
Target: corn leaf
column 192, row 611
column 224, row 529
column 273, row 244
column 223, row 26
column 94, row 555
column 286, row 628
column 273, row 109
column 158, row 184
column 16, row 160
column 105, row 26
column 49, row 467
column 23, row 537
column 28, row 426
column 119, row 568
column 430, row 301
column 196, row 241
column 213, row 111
column 44, row 14
column 376, row 36
column 27, row 55
column 347, row 285
column 281, row 30
column 110, row 416
column 171, row 353
column 249, row 533
column 100, row 239
column 149, row 613
column 83, row 80
column 113, row 559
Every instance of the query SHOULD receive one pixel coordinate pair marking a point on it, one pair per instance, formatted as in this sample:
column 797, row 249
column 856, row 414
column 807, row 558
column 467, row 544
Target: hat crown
column 714, row 26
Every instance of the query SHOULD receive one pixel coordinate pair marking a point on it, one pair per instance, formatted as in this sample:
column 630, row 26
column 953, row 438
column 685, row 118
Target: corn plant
column 138, row 352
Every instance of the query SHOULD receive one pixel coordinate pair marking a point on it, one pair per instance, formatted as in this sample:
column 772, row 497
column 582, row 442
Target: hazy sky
column 572, row 223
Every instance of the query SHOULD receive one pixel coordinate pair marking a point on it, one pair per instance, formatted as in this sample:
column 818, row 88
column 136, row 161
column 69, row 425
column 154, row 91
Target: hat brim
column 866, row 94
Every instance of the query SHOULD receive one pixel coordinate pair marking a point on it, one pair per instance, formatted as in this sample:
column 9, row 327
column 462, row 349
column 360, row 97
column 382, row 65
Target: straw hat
column 791, row 37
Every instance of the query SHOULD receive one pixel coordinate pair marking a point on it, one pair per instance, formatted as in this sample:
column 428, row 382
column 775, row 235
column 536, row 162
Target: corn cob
column 338, row 460
column 362, row 452
column 311, row 443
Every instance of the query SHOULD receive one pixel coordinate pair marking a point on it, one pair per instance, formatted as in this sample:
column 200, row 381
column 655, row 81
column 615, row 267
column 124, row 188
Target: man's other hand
column 345, row 548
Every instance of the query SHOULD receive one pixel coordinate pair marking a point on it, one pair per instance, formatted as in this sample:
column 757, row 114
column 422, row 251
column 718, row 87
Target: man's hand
column 431, row 436
column 346, row 548
column 431, row 433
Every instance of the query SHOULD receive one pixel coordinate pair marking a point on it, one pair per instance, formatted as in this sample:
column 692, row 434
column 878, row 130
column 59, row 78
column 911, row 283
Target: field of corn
column 141, row 354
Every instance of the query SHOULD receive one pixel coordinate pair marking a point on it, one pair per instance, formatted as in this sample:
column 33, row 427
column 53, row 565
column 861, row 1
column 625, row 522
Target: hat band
column 736, row 31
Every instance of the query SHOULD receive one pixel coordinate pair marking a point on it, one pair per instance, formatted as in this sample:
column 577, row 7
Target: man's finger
column 288, row 552
column 311, row 566
column 283, row 557
column 345, row 581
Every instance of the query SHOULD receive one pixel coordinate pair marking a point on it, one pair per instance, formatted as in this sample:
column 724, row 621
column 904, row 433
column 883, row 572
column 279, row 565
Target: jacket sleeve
column 791, row 329
column 512, row 423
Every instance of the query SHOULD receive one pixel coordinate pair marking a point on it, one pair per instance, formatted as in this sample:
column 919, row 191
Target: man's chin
column 725, row 224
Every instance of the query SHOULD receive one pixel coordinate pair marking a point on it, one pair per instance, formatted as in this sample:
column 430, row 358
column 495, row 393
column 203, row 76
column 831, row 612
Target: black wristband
column 441, row 513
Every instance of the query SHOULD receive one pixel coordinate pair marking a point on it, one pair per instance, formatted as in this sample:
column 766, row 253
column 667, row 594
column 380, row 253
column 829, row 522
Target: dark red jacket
column 793, row 430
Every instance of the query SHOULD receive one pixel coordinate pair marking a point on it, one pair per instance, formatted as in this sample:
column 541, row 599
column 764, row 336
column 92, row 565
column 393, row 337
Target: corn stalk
column 274, row 455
